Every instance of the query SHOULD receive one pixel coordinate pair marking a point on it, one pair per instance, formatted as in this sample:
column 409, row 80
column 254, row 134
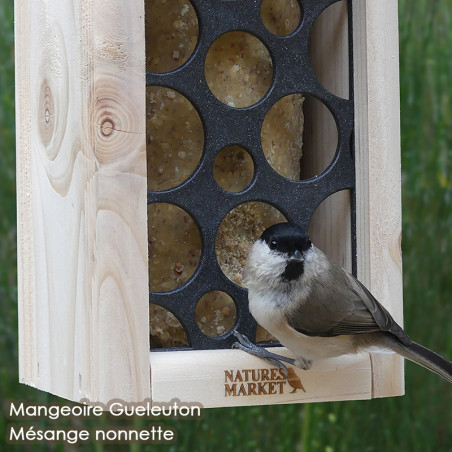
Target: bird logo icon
column 294, row 381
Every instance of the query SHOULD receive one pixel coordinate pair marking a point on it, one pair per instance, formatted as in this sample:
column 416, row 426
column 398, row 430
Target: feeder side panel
column 81, row 191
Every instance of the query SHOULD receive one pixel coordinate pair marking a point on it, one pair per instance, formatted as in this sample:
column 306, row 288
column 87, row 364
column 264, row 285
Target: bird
column 316, row 309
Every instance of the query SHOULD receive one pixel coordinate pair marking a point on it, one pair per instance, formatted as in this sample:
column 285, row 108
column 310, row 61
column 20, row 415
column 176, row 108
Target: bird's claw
column 247, row 346
column 243, row 339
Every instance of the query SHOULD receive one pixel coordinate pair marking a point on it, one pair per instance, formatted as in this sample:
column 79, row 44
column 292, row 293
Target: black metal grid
column 223, row 125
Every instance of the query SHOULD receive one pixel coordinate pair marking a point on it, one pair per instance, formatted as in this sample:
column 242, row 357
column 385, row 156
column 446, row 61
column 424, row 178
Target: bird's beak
column 296, row 257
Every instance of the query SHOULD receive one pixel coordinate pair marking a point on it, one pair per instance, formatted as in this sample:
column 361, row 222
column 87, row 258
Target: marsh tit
column 316, row 309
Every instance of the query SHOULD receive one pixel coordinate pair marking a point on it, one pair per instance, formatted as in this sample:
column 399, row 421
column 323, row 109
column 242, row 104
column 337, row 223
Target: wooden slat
column 378, row 181
column 215, row 378
column 83, row 312
column 25, row 246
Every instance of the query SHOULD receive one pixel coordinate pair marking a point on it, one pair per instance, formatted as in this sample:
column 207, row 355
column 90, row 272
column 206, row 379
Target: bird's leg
column 247, row 346
column 272, row 361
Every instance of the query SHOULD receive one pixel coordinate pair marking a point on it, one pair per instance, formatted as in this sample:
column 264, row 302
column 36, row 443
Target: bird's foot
column 275, row 360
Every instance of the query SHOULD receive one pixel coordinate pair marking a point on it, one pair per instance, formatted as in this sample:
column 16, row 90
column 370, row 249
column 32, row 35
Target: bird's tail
column 425, row 358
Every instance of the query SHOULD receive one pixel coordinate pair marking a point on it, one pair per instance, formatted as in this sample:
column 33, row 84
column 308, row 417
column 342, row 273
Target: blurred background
column 419, row 421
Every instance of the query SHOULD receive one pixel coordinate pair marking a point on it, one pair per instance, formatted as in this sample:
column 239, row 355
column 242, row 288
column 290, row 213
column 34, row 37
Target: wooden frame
column 82, row 236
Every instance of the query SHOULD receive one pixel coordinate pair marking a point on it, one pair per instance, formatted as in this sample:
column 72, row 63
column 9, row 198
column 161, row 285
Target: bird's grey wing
column 344, row 308
column 332, row 311
column 381, row 316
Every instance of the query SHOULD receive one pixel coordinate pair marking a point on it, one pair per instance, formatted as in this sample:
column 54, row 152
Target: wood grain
column 83, row 302
column 378, row 182
column 215, row 378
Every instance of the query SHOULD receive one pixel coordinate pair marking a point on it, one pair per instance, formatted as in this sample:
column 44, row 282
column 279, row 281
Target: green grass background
column 419, row 421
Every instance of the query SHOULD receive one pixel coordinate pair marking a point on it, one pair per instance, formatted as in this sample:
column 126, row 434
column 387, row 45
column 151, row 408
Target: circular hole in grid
column 174, row 246
column 233, row 169
column 172, row 30
column 240, row 228
column 329, row 49
column 299, row 136
column 166, row 330
column 281, row 17
column 282, row 135
column 238, row 69
column 174, row 138
column 215, row 313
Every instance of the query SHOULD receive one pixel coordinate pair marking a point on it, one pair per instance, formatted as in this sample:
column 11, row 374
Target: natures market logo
column 246, row 382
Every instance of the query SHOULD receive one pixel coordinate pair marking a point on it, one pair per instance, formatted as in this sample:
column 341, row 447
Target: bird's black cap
column 286, row 238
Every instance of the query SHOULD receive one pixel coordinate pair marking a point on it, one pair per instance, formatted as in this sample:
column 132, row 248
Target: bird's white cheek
column 263, row 267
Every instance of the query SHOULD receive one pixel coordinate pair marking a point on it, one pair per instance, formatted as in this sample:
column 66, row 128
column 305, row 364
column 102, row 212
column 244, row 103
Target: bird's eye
column 273, row 244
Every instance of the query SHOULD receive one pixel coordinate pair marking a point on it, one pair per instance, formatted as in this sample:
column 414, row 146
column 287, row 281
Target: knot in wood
column 46, row 110
column 107, row 126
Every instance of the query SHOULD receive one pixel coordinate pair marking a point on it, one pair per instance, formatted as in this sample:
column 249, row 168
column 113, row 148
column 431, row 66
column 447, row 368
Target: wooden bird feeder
column 93, row 104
